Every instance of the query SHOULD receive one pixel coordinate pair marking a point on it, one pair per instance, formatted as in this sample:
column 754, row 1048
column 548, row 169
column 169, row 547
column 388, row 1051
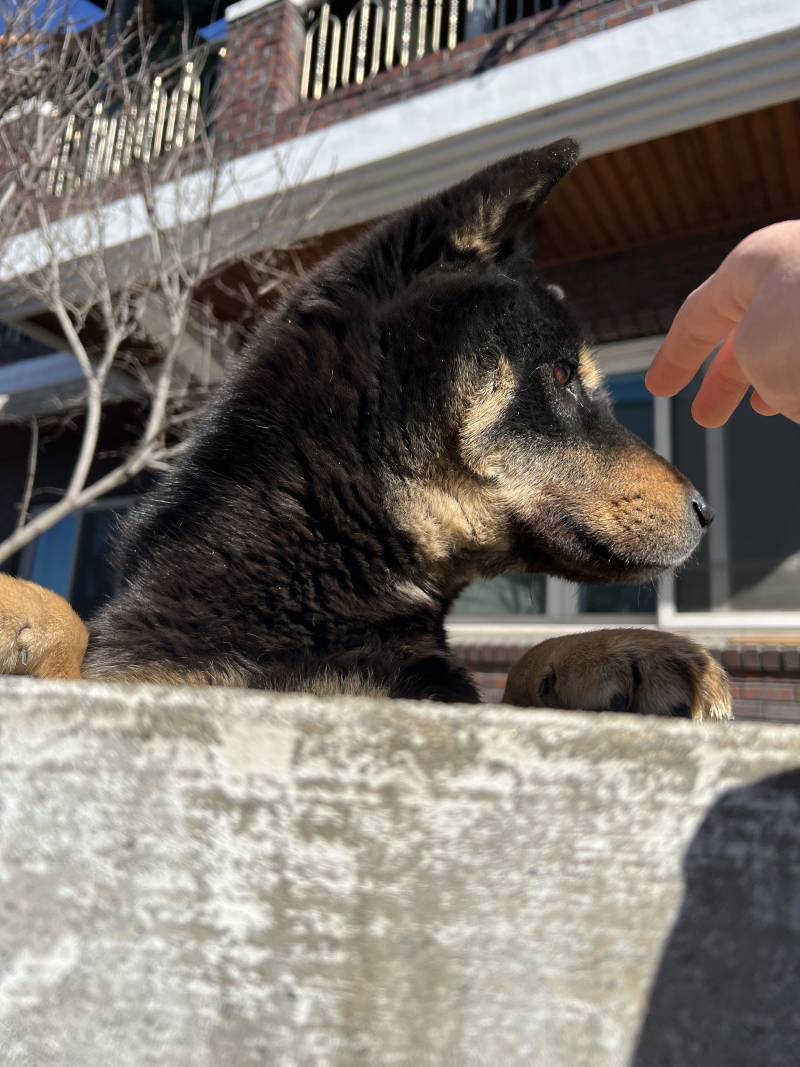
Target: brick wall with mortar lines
column 265, row 54
column 260, row 79
column 636, row 293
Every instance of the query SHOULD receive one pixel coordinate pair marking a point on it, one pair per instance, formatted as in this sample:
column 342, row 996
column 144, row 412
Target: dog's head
column 504, row 453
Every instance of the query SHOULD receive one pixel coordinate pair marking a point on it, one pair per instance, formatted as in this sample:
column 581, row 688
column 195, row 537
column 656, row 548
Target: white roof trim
column 39, row 372
column 622, row 357
column 670, row 71
column 53, row 384
column 242, row 8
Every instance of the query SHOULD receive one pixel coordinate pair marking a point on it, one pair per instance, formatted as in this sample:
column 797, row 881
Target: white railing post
column 152, row 122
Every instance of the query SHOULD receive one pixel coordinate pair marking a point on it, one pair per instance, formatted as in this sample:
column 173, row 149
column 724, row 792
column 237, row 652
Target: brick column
column 261, row 76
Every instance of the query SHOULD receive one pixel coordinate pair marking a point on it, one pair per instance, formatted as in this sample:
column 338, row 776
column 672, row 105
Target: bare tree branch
column 82, row 125
column 30, row 476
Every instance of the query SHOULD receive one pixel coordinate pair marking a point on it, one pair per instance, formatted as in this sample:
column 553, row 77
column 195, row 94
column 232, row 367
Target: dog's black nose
column 704, row 513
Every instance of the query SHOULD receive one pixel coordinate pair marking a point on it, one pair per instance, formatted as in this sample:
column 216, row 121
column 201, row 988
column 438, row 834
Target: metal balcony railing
column 377, row 35
column 151, row 119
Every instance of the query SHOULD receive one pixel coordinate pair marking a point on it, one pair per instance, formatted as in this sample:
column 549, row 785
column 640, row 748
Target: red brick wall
column 636, row 293
column 262, row 77
column 754, row 700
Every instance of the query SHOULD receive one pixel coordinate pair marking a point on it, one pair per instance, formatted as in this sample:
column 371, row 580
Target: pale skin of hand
column 752, row 304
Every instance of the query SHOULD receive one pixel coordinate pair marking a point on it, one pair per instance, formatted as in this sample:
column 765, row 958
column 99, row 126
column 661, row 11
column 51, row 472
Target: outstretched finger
column 723, row 389
column 757, row 403
column 703, row 320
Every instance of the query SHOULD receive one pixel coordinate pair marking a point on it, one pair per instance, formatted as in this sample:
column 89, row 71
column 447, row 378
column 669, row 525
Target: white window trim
column 560, row 617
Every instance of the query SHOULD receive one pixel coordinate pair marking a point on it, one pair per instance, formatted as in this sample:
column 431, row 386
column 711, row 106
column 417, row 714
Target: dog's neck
column 296, row 527
column 305, row 558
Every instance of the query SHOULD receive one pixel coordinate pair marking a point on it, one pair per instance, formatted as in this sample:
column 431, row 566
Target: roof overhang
column 52, row 386
column 670, row 71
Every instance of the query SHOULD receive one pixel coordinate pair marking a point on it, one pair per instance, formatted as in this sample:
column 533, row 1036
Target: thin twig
column 33, row 458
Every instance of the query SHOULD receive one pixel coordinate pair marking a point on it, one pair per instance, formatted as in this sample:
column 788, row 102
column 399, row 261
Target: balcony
column 348, row 47
column 139, row 120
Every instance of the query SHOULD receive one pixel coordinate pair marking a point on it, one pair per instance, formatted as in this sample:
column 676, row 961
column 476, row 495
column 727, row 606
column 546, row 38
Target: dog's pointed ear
column 495, row 207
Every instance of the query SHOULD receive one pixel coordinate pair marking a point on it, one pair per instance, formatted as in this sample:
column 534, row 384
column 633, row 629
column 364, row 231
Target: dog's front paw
column 643, row 671
column 40, row 634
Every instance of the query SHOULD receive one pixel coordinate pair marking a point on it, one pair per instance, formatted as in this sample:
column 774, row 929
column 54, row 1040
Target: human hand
column 752, row 304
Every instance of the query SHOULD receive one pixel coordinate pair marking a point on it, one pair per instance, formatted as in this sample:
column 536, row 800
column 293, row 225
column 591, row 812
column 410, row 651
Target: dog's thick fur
column 420, row 412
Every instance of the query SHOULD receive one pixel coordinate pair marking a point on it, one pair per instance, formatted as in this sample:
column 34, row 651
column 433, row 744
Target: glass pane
column 94, row 579
column 516, row 594
column 51, row 555
column 608, row 599
column 633, row 406
column 762, row 475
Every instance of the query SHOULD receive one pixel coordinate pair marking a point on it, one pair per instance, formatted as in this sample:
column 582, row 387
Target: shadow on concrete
column 727, row 992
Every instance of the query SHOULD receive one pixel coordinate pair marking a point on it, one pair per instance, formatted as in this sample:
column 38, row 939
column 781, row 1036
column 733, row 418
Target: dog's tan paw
column 40, row 634
column 642, row 671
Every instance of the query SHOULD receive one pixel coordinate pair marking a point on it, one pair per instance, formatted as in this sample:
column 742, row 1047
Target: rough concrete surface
column 220, row 879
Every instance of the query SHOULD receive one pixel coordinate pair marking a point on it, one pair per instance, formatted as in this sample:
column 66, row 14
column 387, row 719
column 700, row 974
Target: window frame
column 561, row 598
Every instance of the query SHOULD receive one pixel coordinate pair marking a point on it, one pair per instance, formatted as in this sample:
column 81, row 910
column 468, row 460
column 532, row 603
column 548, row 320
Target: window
column 634, row 408
column 750, row 560
column 73, row 557
column 515, row 594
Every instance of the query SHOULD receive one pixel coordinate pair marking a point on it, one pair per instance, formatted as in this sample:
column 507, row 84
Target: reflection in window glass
column 762, row 475
column 95, row 580
column 608, row 599
column 758, row 567
column 51, row 556
column 72, row 559
column 516, row 594
column 633, row 406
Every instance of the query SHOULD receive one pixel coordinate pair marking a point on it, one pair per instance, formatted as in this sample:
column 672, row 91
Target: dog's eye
column 563, row 372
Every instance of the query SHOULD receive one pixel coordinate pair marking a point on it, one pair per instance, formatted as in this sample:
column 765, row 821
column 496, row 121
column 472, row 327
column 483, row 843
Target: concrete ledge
column 192, row 879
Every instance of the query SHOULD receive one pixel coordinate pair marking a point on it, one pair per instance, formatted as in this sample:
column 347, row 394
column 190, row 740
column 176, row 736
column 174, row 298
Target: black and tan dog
column 420, row 412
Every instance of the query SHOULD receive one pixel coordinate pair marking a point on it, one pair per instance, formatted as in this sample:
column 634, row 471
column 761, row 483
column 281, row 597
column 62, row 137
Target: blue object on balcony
column 50, row 16
column 215, row 32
